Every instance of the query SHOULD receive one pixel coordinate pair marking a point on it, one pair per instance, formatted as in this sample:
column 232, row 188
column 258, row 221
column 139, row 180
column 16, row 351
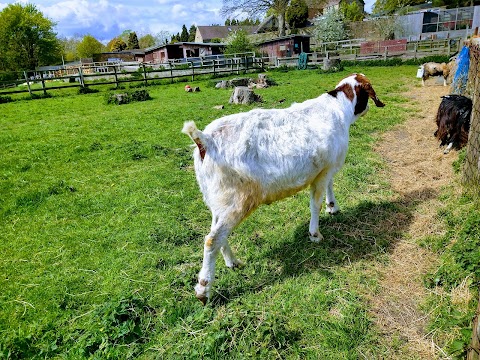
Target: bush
column 5, row 99
column 127, row 97
column 86, row 90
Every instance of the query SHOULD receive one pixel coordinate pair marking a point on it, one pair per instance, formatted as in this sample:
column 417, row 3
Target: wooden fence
column 353, row 51
column 118, row 73
column 95, row 74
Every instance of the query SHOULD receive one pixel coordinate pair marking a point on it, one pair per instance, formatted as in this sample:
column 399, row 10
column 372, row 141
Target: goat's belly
column 282, row 193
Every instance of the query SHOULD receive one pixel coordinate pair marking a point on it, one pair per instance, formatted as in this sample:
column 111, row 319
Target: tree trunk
column 471, row 168
column 281, row 24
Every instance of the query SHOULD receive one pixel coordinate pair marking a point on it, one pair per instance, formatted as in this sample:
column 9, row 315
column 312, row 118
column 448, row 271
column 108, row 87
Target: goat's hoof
column 316, row 238
column 332, row 208
column 201, row 293
column 237, row 264
column 202, row 298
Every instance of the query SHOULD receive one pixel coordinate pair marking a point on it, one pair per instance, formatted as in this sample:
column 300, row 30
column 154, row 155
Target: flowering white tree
column 329, row 26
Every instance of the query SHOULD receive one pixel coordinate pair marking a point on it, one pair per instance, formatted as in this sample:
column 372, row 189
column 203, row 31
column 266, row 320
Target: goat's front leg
column 317, row 190
column 332, row 206
column 448, row 148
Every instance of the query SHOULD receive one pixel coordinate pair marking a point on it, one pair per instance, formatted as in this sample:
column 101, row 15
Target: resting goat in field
column 436, row 69
column 261, row 156
column 453, row 121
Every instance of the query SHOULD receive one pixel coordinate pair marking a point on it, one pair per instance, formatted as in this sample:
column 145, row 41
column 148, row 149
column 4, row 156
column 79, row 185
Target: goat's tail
column 196, row 135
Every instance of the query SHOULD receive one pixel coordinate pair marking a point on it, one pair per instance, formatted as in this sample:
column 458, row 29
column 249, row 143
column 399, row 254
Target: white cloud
column 105, row 19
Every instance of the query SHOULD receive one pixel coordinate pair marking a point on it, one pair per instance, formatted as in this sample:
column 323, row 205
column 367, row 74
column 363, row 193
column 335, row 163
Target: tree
column 330, row 26
column 146, row 41
column 454, row 3
column 238, row 42
column 117, row 44
column 161, row 37
column 351, row 12
column 69, row 48
column 133, row 41
column 192, row 33
column 124, row 35
column 297, row 14
column 89, row 46
column 184, row 34
column 258, row 7
column 27, row 39
column 385, row 7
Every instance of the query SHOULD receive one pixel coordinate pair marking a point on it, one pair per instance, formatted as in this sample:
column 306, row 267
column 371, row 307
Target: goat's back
column 453, row 119
column 279, row 144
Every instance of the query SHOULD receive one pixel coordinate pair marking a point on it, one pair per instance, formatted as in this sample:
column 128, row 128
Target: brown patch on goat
column 203, row 282
column 209, row 242
column 346, row 89
column 201, row 148
column 367, row 87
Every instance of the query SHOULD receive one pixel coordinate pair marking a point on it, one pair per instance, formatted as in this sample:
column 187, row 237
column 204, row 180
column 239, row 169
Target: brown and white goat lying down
column 453, row 121
column 261, row 156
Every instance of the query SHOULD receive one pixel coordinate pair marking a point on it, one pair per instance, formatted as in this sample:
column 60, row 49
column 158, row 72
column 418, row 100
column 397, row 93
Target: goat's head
column 357, row 88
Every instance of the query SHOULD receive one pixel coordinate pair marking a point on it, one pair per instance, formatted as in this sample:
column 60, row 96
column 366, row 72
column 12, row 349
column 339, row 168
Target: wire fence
column 471, row 170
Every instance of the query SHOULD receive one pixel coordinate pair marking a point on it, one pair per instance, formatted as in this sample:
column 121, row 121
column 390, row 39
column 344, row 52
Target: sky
column 107, row 19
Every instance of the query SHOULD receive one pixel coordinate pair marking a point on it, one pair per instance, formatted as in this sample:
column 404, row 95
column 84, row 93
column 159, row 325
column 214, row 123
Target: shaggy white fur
column 257, row 157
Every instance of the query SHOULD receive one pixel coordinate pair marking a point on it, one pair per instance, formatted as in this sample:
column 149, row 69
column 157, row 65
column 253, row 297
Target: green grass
column 102, row 228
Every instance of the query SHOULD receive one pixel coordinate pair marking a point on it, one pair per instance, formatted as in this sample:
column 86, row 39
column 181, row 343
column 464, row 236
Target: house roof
column 199, row 44
column 284, row 38
column 222, row 32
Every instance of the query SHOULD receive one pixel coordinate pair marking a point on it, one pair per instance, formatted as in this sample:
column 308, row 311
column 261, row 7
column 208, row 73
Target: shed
column 206, row 34
column 285, row 46
column 182, row 50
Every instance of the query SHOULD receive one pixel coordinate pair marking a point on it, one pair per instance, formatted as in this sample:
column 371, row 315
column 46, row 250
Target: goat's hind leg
column 330, row 201
column 317, row 191
column 216, row 240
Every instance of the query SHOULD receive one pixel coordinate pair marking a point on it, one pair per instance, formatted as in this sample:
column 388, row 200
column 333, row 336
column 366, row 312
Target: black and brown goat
column 453, row 121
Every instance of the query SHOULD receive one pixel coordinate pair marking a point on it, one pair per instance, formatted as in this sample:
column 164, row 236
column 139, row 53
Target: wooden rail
column 116, row 74
column 350, row 51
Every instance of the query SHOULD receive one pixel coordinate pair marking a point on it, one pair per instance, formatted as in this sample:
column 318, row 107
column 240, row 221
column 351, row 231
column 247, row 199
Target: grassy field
column 102, row 228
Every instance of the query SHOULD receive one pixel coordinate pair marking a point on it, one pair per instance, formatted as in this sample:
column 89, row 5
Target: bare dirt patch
column 418, row 170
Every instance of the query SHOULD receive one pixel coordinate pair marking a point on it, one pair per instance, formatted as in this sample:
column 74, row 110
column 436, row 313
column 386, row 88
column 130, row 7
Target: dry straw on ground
column 418, row 170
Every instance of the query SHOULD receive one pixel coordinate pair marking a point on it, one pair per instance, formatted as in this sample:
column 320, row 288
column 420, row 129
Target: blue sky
column 106, row 19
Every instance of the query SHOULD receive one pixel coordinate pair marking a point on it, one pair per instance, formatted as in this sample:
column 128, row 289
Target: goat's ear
column 372, row 95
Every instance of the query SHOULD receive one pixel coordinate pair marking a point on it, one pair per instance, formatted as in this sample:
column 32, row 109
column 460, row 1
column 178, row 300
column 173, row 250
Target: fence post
column 28, row 83
column 193, row 71
column 80, row 73
column 214, row 68
column 385, row 54
column 116, row 76
column 171, row 73
column 144, row 74
column 43, row 85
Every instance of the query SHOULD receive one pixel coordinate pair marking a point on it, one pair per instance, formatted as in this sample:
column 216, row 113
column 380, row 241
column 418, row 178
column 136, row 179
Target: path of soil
column 418, row 170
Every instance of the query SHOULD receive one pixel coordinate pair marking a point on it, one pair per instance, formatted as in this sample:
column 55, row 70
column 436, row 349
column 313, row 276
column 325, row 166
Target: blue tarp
column 459, row 84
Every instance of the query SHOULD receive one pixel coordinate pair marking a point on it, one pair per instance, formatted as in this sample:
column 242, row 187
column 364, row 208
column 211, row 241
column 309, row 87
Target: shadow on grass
column 365, row 231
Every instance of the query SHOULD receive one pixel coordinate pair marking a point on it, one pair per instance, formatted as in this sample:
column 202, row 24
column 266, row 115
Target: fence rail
column 352, row 51
column 108, row 73
column 116, row 73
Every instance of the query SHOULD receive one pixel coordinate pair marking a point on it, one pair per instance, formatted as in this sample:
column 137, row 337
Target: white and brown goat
column 264, row 155
column 436, row 69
